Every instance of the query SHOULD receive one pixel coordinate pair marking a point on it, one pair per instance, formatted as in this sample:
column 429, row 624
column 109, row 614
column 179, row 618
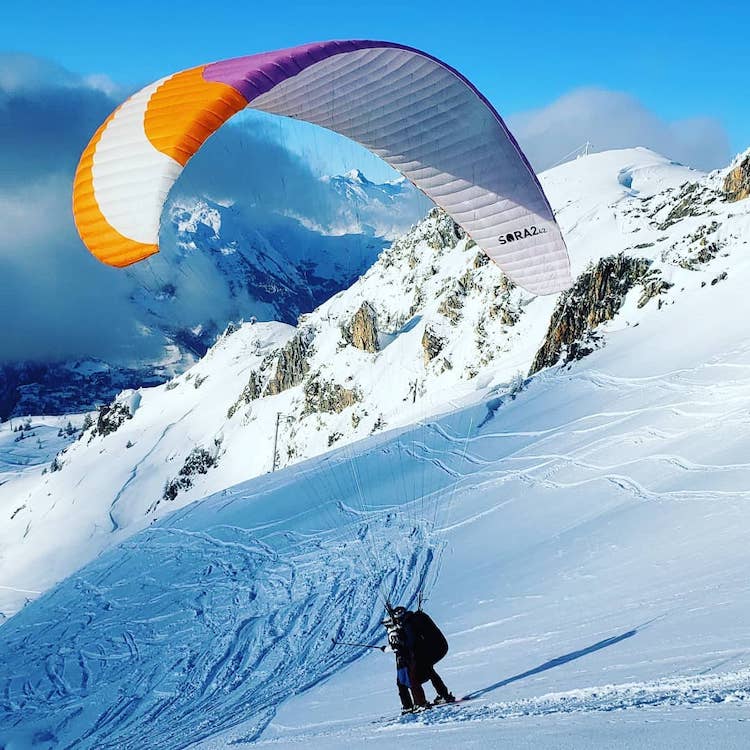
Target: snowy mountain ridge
column 593, row 514
column 383, row 209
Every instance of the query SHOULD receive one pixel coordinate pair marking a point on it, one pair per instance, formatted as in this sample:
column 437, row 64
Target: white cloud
column 56, row 301
column 612, row 119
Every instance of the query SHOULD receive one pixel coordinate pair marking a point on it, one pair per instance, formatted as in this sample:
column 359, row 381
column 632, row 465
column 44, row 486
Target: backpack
column 430, row 645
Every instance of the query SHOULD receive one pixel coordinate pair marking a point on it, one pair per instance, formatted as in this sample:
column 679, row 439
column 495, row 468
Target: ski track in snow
column 134, row 471
column 267, row 616
column 695, row 690
column 680, row 691
column 732, row 686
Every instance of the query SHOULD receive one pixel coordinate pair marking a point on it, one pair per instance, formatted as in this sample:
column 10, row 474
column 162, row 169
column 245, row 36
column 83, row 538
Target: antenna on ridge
column 583, row 150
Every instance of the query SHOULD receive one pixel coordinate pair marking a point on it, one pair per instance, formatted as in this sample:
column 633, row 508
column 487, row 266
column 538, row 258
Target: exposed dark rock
column 706, row 253
column 440, row 234
column 596, row 297
column 362, row 331
column 696, row 250
column 250, row 392
column 691, row 201
column 292, row 364
column 447, row 233
column 199, row 461
column 327, row 396
column 653, row 286
column 111, row 417
column 481, row 259
column 452, row 305
column 503, row 308
column 737, row 182
column 432, row 345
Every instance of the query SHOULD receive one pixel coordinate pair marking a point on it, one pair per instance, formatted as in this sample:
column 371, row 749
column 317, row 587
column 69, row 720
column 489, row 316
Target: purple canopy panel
column 432, row 125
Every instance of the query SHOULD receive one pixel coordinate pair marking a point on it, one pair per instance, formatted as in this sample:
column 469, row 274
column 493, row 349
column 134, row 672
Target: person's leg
column 420, row 699
column 438, row 684
column 405, row 695
column 404, row 683
column 440, row 687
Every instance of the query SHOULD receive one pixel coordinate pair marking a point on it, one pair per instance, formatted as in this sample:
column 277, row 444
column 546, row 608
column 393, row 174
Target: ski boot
column 442, row 699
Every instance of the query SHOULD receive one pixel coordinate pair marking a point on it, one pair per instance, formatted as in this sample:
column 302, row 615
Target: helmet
column 398, row 613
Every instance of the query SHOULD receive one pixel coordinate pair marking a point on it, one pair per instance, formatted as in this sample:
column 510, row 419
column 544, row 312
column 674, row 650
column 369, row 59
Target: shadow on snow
column 556, row 662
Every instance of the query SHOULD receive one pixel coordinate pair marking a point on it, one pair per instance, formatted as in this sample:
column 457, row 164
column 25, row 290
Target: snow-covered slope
column 596, row 562
column 590, row 511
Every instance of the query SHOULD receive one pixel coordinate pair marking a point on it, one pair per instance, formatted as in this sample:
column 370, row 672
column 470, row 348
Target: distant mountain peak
column 357, row 175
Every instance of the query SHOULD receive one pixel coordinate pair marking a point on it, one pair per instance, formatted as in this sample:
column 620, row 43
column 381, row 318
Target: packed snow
column 581, row 535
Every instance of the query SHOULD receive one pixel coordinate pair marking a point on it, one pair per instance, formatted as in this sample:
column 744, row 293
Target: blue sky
column 680, row 60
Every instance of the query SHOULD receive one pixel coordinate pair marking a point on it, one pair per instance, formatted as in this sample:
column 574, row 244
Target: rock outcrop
column 362, row 330
column 199, row 461
column 452, row 304
column 694, row 250
column 596, row 297
column 326, row 396
column 292, row 364
column 112, row 416
column 432, row 344
column 253, row 390
column 447, row 233
column 504, row 308
column 692, row 199
column 737, row 182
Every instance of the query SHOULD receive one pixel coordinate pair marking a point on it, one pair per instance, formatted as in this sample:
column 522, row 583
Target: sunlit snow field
column 596, row 561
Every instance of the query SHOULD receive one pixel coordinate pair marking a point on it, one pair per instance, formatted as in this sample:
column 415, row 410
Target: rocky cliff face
column 362, row 330
column 432, row 305
column 326, row 396
column 737, row 182
column 292, row 363
column 596, row 297
column 432, row 345
column 112, row 416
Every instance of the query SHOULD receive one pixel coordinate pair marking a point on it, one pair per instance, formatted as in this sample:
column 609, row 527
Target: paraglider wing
column 418, row 114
